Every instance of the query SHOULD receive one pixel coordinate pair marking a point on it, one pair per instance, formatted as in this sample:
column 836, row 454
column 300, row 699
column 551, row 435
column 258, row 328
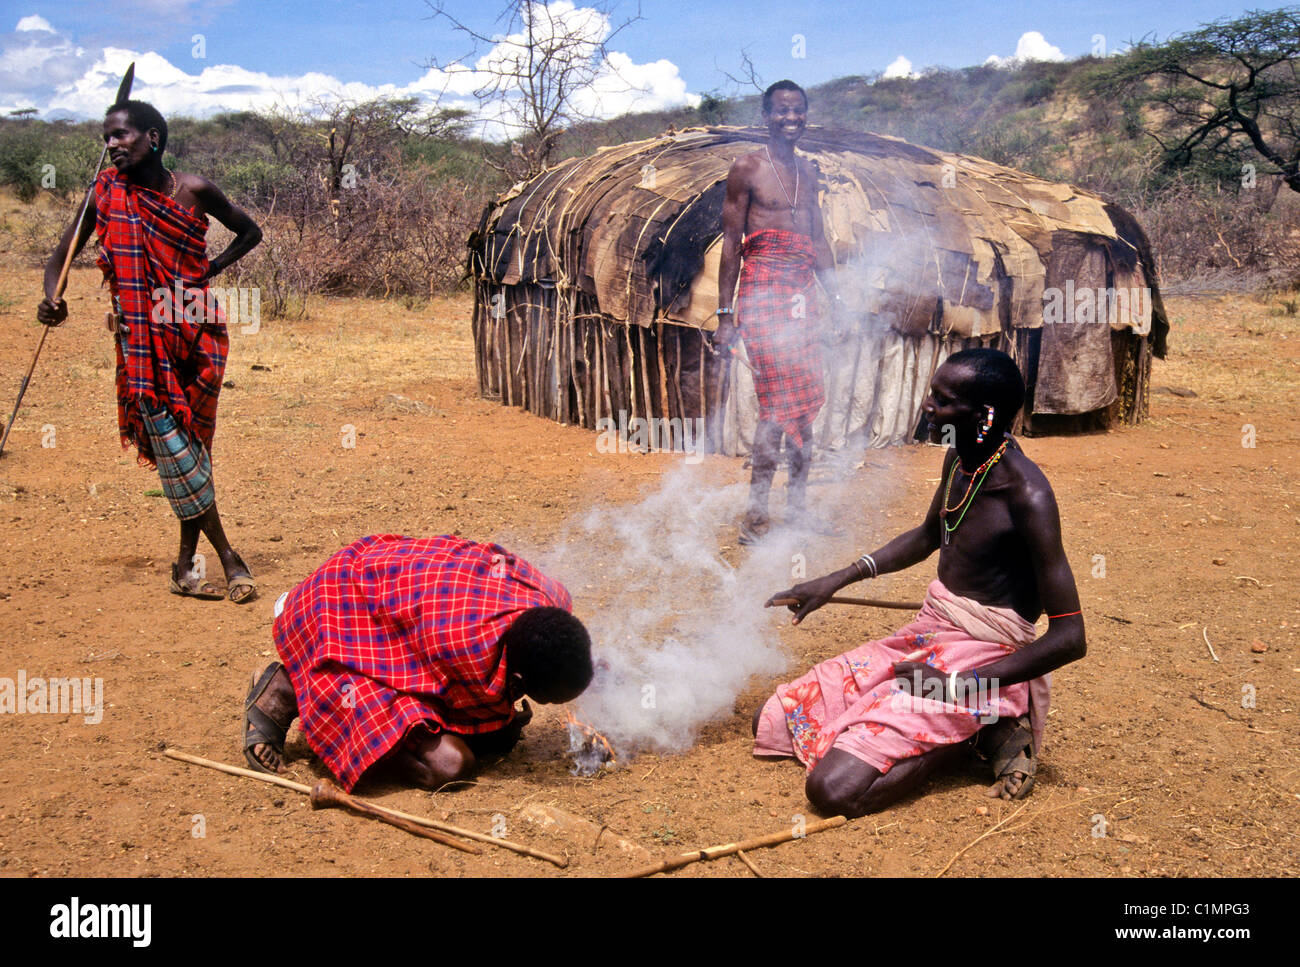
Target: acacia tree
column 1221, row 95
column 535, row 78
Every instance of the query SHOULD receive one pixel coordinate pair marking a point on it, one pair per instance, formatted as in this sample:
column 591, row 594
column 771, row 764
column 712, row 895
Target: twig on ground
column 740, row 853
column 1209, row 646
column 985, row 835
column 1231, row 717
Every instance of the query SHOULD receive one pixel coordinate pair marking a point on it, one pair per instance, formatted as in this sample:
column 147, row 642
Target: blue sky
column 678, row 51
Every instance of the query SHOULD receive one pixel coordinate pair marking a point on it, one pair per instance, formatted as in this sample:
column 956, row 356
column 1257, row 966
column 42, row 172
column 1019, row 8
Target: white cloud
column 1031, row 46
column 62, row 80
column 35, row 61
column 33, row 23
column 900, row 67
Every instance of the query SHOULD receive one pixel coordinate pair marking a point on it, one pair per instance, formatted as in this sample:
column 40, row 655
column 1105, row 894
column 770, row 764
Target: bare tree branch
column 542, row 72
column 1220, row 93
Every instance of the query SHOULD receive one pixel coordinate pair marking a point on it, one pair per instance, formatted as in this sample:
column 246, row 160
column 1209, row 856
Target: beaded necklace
column 972, row 490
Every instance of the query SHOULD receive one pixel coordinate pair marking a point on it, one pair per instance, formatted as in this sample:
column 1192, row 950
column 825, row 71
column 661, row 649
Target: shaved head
column 991, row 378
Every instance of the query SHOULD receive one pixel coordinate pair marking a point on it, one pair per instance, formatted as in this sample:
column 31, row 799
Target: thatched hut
column 595, row 281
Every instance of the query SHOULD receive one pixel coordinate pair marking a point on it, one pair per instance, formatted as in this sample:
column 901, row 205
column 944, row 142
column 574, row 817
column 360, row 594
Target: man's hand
column 523, row 716
column 808, row 597
column 52, row 312
column 722, row 337
column 921, row 680
column 925, row 681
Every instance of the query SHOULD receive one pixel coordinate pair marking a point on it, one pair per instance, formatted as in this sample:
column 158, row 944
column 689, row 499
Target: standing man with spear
column 170, row 333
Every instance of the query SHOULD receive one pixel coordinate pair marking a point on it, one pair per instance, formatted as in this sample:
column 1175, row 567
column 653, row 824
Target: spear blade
column 124, row 89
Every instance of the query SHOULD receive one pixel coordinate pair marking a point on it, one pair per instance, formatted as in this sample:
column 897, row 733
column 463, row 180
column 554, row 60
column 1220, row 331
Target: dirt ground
column 1149, row 738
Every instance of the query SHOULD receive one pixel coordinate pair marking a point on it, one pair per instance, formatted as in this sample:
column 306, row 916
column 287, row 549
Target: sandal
column 241, row 583
column 753, row 529
column 1014, row 752
column 265, row 730
column 191, row 588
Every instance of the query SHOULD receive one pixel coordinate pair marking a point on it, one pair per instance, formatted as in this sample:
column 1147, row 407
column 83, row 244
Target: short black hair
column 144, row 117
column 551, row 649
column 786, row 85
column 996, row 381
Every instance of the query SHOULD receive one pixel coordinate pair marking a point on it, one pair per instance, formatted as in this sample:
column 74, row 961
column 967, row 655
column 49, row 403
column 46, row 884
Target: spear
column 123, row 94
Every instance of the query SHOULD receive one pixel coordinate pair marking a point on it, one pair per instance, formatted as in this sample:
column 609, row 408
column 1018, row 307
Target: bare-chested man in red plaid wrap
column 170, row 333
column 771, row 204
column 412, row 652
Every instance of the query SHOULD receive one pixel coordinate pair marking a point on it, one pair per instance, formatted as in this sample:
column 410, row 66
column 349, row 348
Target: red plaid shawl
column 394, row 632
column 173, row 358
column 778, row 319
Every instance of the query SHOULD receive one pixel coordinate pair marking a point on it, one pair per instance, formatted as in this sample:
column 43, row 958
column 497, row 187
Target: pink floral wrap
column 852, row 701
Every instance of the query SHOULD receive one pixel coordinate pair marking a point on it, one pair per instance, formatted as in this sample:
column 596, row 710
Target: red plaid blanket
column 393, row 633
column 777, row 315
column 170, row 355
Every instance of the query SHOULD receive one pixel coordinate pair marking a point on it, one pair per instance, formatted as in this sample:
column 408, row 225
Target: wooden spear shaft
column 123, row 92
column 863, row 602
column 758, row 842
column 369, row 808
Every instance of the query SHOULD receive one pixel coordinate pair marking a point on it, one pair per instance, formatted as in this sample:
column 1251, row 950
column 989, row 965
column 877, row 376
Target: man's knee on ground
column 441, row 759
column 827, row 794
column 836, row 788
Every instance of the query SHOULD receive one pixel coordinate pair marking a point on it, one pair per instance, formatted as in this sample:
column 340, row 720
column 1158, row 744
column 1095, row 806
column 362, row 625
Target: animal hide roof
column 924, row 240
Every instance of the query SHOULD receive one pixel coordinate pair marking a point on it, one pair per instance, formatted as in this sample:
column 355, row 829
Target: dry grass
column 1214, row 348
column 394, row 342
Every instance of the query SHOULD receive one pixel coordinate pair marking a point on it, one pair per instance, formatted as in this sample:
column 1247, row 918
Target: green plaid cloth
column 183, row 464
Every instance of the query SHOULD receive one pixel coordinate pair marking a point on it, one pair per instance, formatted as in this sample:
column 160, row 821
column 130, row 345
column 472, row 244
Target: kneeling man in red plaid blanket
column 409, row 653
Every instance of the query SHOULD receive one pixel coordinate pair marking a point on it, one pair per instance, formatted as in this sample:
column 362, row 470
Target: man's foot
column 189, row 586
column 240, row 586
column 269, row 710
column 1008, row 744
column 753, row 528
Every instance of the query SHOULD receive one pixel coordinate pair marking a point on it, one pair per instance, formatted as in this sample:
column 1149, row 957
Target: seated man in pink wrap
column 872, row 724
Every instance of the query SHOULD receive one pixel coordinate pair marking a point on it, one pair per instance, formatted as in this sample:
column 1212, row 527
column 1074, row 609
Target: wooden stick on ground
column 862, row 602
column 327, row 795
column 727, row 849
column 353, row 802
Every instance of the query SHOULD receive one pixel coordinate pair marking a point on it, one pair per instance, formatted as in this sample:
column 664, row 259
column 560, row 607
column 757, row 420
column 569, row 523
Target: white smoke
column 679, row 631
